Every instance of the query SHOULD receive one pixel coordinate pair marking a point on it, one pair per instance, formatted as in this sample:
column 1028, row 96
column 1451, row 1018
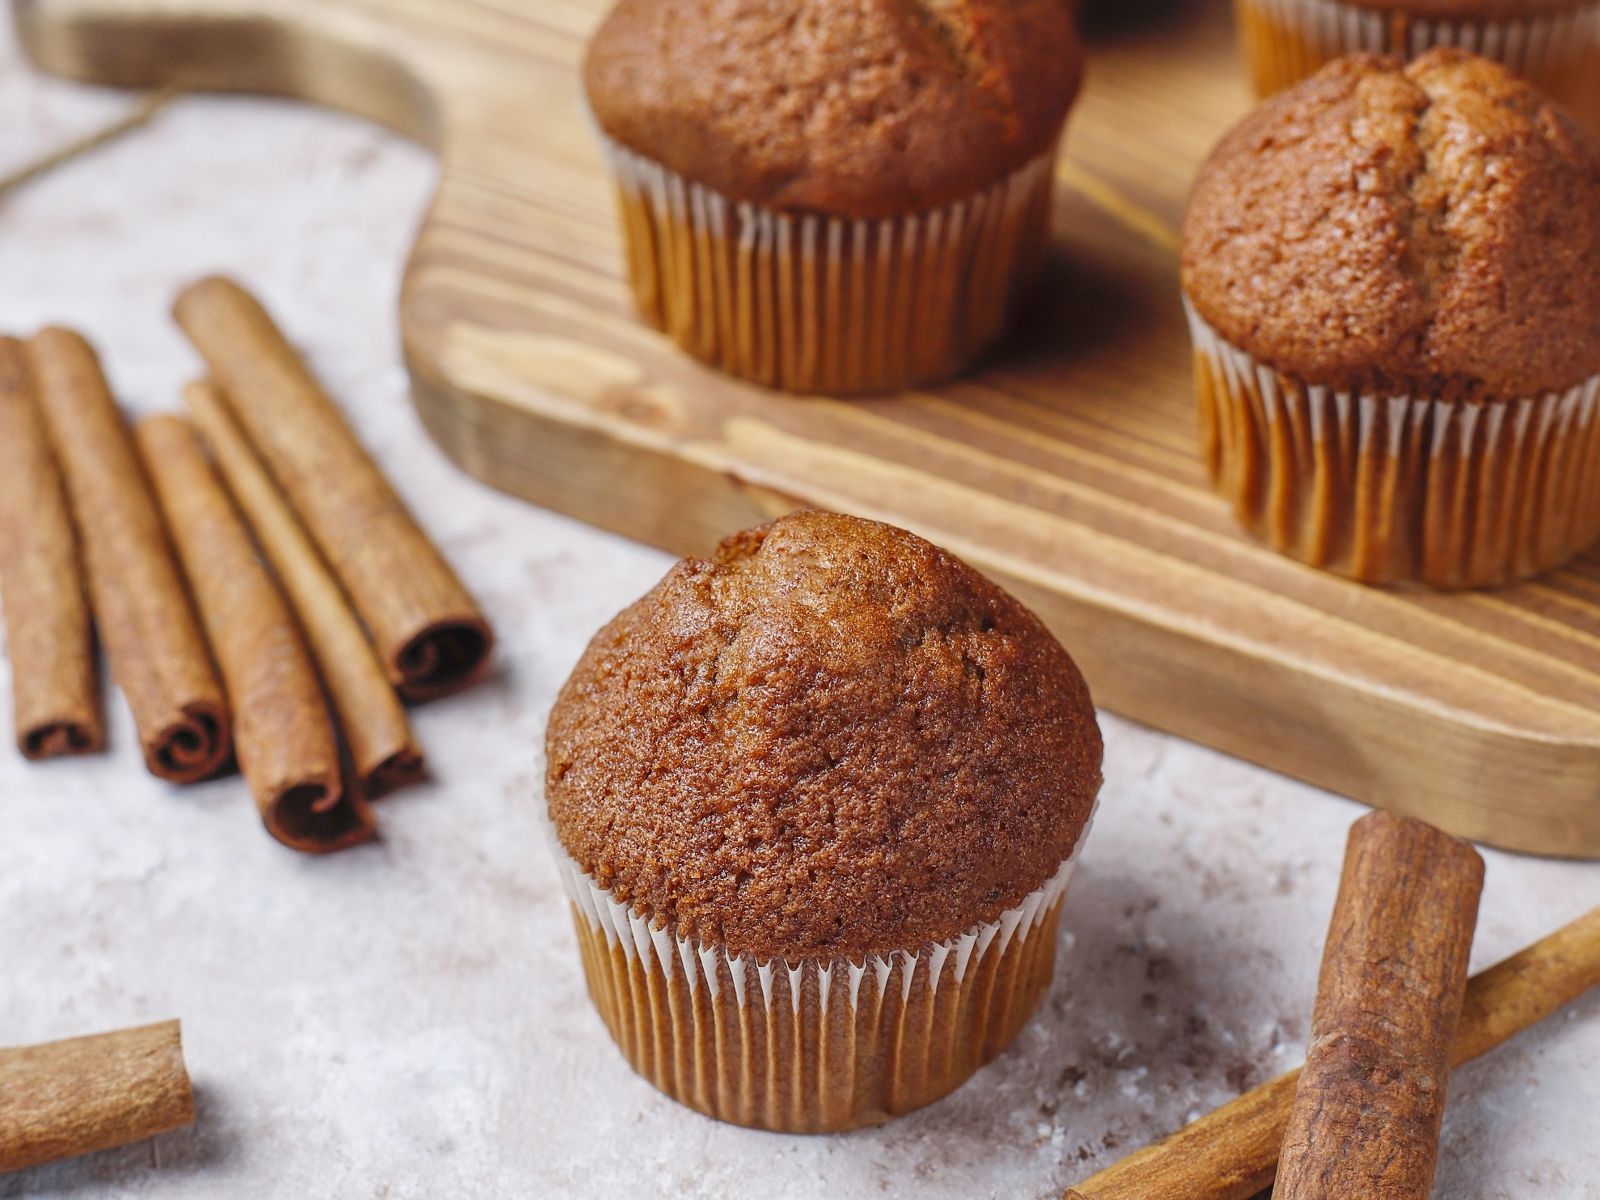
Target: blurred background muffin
column 816, row 802
column 1555, row 44
column 832, row 195
column 1390, row 272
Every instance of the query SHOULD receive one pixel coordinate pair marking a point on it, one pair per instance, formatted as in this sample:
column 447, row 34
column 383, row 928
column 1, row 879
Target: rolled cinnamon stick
column 67, row 1098
column 283, row 735
column 371, row 717
column 1231, row 1153
column 157, row 653
column 54, row 685
column 428, row 633
column 1366, row 1116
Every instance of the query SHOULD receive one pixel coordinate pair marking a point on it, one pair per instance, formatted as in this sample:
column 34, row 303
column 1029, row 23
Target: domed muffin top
column 1431, row 229
column 856, row 108
column 832, row 739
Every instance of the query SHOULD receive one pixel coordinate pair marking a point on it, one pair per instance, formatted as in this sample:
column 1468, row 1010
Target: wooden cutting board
column 1065, row 466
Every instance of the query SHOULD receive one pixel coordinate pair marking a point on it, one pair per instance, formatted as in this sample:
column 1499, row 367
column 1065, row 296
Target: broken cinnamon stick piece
column 157, row 654
column 426, row 629
column 1231, row 1153
column 1367, row 1112
column 370, row 715
column 55, row 687
column 62, row 1099
column 283, row 735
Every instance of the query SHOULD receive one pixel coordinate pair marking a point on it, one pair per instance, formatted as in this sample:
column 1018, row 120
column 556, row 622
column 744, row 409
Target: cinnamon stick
column 371, row 717
column 426, row 629
column 1231, row 1153
column 1367, row 1112
column 67, row 1098
column 284, row 737
column 153, row 642
column 55, row 687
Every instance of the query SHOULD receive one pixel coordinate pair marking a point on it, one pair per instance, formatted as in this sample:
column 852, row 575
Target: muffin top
column 1431, row 229
column 831, row 739
column 858, row 108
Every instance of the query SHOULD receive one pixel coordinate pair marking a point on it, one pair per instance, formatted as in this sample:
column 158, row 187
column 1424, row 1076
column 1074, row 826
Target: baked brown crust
column 1425, row 230
column 831, row 739
column 856, row 108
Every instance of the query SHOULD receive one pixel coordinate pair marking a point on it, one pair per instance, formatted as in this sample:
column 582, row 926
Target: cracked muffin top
column 1427, row 229
column 831, row 739
column 856, row 108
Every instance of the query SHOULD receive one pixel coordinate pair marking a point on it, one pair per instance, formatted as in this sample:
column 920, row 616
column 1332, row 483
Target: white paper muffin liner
column 819, row 1044
column 1286, row 40
column 810, row 302
column 1386, row 489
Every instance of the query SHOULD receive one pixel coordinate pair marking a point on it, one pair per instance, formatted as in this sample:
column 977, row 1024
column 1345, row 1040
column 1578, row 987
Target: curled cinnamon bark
column 1232, row 1152
column 55, row 687
column 371, row 717
column 157, row 653
column 1366, row 1116
column 284, row 737
column 427, row 631
column 62, row 1099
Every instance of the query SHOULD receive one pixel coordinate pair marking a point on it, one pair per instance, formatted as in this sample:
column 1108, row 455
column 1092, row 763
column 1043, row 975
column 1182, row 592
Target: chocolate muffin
column 1555, row 44
column 816, row 800
column 832, row 195
column 1390, row 274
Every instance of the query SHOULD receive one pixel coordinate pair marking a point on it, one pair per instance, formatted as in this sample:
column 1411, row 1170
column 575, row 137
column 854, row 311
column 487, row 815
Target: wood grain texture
column 1366, row 1115
column 1066, row 466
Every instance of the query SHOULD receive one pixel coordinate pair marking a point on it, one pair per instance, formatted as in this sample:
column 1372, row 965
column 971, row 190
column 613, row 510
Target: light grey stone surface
column 408, row 1019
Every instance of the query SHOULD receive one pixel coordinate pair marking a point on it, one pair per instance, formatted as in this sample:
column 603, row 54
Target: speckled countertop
column 408, row 1019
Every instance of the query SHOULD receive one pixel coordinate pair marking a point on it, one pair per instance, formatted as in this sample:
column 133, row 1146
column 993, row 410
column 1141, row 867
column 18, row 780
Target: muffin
column 832, row 195
column 1390, row 274
column 816, row 801
column 1553, row 43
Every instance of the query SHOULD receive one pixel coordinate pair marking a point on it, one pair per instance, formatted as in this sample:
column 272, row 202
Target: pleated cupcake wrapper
column 1286, row 40
column 809, row 302
column 819, row 1044
column 1394, row 488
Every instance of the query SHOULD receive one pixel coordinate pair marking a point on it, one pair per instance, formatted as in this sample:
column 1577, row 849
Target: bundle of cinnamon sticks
column 259, row 591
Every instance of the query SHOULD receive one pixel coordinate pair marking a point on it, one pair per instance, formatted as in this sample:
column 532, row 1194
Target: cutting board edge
column 1565, row 772
column 1499, row 769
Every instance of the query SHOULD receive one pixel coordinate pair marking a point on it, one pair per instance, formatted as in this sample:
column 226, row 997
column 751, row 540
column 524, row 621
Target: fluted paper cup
column 1286, row 40
column 807, row 302
column 1390, row 489
column 815, row 1045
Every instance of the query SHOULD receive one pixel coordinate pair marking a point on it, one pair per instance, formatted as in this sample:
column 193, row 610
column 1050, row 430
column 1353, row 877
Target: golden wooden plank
column 1063, row 466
